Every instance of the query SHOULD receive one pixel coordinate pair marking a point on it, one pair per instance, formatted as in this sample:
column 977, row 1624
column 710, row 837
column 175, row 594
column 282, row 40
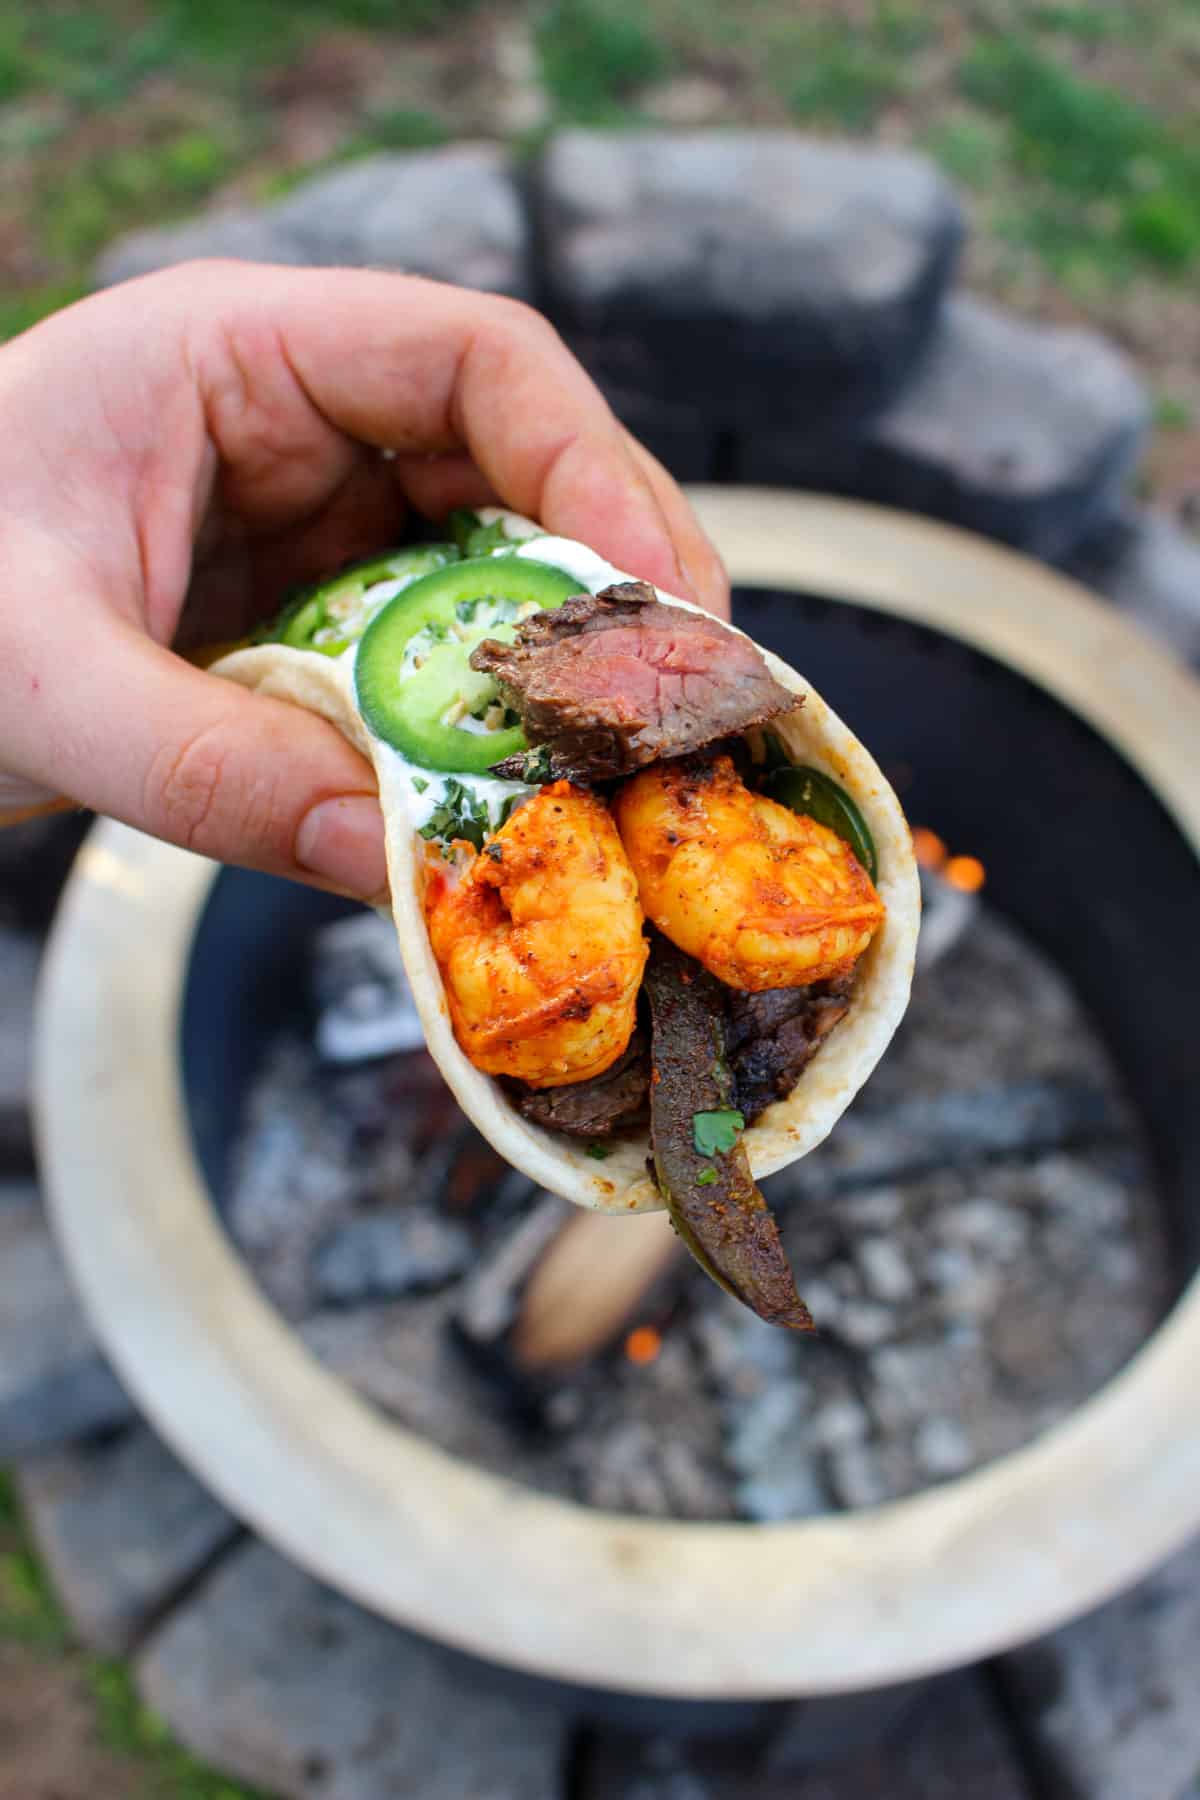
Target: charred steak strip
column 713, row 1202
column 595, row 1108
column 612, row 681
column 773, row 1037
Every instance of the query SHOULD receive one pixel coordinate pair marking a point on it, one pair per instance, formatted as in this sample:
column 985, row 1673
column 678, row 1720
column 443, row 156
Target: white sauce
column 591, row 572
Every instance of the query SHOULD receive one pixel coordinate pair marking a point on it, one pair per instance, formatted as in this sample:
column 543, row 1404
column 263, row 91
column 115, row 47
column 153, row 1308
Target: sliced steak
column 612, row 681
column 596, row 1108
column 773, row 1036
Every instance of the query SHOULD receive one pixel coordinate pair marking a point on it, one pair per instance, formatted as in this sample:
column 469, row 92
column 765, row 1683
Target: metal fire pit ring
column 697, row 1612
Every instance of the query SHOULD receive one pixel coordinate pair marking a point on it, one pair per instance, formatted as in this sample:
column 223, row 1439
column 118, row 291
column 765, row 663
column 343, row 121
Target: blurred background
column 1071, row 130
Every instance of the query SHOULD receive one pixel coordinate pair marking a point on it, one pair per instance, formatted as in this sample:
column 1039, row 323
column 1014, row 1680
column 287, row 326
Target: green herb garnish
column 459, row 815
column 420, row 783
column 706, row 1178
column 598, row 1152
column 716, row 1132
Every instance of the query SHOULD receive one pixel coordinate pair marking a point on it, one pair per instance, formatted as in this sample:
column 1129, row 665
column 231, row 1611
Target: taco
column 657, row 905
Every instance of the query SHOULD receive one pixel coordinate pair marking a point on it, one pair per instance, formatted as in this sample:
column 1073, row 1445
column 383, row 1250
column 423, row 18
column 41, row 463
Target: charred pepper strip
column 713, row 1202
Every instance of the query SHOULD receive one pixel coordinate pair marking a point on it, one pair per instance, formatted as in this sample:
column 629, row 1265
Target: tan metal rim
column 701, row 1611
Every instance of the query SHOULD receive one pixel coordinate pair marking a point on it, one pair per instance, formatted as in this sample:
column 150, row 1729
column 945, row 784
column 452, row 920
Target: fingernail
column 341, row 840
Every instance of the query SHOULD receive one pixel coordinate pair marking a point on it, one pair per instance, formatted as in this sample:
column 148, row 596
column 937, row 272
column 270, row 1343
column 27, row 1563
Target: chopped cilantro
column 706, row 1177
column 599, row 1152
column 459, row 815
column 486, row 538
column 713, row 1132
column 536, row 770
column 465, row 611
column 420, row 783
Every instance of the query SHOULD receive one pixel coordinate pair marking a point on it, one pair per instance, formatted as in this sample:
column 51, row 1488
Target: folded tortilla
column 814, row 736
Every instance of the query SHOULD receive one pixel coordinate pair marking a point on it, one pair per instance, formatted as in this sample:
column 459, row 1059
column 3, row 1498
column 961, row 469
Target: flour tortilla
column 813, row 735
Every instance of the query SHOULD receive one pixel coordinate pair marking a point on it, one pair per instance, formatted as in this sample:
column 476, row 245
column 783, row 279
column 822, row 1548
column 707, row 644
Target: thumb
column 145, row 737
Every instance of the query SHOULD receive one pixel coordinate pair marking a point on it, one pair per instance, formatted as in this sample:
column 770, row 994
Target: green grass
column 32, row 1620
column 1106, row 181
column 134, row 1730
column 20, row 310
column 1086, row 24
column 108, row 193
column 839, row 74
column 596, row 56
column 1171, row 413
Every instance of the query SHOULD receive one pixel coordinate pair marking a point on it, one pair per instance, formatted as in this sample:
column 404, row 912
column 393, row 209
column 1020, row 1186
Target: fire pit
column 1035, row 731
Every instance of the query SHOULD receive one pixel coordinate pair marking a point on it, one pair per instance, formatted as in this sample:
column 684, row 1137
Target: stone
column 123, row 1528
column 489, row 1299
column 384, row 1255
column 54, row 1384
column 770, row 279
column 242, row 236
column 857, row 1476
column 1151, row 568
column 942, row 1447
column 863, row 1323
column 452, row 214
column 280, row 1682
column 884, row 1269
column 948, row 1744
column 1023, row 432
column 881, row 1143
column 364, row 1004
column 20, row 953
column 1109, row 1702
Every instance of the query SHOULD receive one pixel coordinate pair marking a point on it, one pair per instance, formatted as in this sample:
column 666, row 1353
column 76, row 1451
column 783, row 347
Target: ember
column 643, row 1344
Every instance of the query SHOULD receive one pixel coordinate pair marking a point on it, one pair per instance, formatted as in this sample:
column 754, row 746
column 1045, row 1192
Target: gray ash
column 979, row 1241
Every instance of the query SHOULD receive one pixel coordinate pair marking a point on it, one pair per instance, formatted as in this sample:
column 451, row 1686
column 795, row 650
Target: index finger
column 412, row 365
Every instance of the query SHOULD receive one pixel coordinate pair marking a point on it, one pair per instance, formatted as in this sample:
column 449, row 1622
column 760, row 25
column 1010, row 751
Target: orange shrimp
column 539, row 940
column 762, row 896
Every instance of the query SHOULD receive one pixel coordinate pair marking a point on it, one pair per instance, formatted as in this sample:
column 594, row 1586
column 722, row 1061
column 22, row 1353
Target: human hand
column 212, row 435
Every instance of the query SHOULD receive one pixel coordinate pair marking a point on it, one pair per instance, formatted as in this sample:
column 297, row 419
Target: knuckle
column 194, row 797
column 182, row 788
column 525, row 322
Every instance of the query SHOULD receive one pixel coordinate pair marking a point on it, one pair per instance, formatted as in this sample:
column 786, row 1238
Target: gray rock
column 884, row 1269
column 1152, row 569
column 1110, row 1701
column 857, row 1476
column 948, row 1745
column 54, row 1385
column 20, row 952
column 242, row 236
column 863, row 1323
column 784, row 279
column 282, row 1683
column 452, row 214
column 123, row 1527
column 942, row 1447
column 488, row 1302
column 387, row 1254
column 840, row 1422
column 1024, row 432
column 878, row 1142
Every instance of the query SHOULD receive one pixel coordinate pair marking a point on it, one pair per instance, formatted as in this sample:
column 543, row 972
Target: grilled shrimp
column 762, row 896
column 539, row 941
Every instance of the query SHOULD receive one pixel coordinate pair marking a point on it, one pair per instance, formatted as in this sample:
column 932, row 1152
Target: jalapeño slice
column 330, row 616
column 810, row 792
column 414, row 682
